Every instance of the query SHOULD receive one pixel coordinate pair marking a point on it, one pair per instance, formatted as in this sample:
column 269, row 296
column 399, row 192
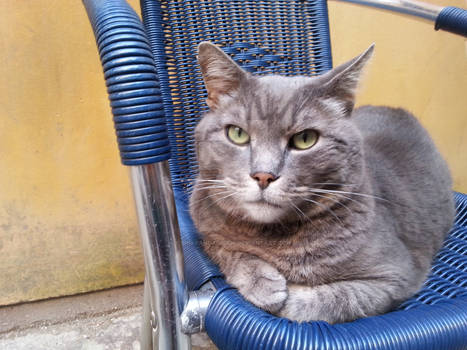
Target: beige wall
column 67, row 222
column 414, row 67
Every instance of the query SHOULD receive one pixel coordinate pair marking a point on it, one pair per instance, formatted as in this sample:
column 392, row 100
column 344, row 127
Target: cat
column 312, row 209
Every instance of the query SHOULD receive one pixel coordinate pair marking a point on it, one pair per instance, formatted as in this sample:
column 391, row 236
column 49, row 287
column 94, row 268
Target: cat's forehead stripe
column 265, row 105
column 275, row 99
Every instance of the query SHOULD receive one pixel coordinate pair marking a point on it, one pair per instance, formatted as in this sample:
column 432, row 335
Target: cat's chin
column 263, row 212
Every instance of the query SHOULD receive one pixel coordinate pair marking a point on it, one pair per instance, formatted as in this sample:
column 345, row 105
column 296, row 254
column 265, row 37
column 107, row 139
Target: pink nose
column 264, row 179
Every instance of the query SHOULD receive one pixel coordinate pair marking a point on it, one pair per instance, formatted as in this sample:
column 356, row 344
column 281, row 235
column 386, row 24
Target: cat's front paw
column 269, row 292
column 301, row 304
column 261, row 284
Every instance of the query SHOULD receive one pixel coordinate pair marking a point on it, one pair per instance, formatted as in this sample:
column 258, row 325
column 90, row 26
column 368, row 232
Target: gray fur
column 351, row 225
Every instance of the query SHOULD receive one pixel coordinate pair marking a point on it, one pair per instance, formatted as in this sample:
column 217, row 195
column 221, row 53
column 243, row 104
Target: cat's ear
column 340, row 84
column 222, row 76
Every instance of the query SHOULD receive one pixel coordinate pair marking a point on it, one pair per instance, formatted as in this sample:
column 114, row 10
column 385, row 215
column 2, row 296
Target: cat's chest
column 311, row 266
column 299, row 269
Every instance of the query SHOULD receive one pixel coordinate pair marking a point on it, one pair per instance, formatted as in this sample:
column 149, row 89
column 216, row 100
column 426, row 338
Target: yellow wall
column 67, row 222
column 414, row 67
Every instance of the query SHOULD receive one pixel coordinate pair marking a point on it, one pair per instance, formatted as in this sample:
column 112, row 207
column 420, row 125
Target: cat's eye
column 304, row 139
column 237, row 135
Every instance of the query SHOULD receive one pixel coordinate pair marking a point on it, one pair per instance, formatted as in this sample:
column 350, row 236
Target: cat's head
column 270, row 145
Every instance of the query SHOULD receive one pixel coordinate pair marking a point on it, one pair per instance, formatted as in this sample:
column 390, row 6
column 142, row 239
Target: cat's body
column 343, row 229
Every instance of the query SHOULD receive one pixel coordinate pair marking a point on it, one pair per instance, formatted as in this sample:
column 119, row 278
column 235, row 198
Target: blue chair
column 157, row 96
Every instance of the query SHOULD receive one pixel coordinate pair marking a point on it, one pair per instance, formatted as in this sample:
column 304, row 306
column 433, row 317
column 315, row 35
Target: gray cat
column 314, row 210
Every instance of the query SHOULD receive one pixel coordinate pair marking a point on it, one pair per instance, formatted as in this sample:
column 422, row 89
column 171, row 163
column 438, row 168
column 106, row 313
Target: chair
column 157, row 96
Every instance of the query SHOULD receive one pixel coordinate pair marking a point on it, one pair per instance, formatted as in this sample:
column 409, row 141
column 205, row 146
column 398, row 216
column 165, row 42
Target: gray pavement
column 105, row 320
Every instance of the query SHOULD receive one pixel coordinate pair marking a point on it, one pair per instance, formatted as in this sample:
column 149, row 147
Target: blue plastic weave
column 131, row 80
column 284, row 36
column 452, row 19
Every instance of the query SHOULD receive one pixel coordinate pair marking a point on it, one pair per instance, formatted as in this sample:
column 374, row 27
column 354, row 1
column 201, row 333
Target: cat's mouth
column 263, row 211
column 264, row 202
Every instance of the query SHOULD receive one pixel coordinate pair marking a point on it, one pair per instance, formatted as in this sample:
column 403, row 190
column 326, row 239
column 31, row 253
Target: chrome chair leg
column 163, row 257
column 148, row 326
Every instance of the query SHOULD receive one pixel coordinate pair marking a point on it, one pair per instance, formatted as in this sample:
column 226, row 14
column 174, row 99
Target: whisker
column 218, row 200
column 206, row 187
column 348, row 198
column 211, row 195
column 336, row 201
column 351, row 193
column 299, row 211
column 331, row 183
column 210, row 181
column 327, row 209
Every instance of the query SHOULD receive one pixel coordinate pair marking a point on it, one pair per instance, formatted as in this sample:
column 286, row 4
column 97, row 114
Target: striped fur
column 350, row 226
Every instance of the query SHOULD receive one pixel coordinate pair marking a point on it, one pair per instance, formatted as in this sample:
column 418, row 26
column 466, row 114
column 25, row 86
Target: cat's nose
column 264, row 179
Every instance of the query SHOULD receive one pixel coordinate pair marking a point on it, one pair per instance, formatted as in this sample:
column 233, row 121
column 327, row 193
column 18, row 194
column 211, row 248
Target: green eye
column 237, row 135
column 304, row 139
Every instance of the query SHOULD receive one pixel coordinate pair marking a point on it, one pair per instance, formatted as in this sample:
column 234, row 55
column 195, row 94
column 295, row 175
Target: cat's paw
column 261, row 284
column 299, row 305
column 269, row 292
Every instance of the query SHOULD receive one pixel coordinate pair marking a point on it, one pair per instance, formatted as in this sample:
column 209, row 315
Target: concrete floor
column 105, row 320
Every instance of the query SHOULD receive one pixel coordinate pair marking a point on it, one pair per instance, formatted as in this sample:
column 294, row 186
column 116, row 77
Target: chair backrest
column 288, row 37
